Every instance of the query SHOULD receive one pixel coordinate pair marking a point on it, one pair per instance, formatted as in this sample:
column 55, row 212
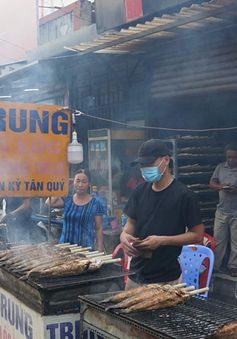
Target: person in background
column 18, row 219
column 159, row 213
column 224, row 180
column 83, row 223
column 130, row 180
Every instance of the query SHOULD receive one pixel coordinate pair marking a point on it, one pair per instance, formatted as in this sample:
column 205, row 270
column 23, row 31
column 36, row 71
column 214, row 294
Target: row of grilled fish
column 150, row 297
column 45, row 260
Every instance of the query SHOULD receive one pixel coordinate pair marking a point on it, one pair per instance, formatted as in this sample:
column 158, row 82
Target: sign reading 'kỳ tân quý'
column 33, row 149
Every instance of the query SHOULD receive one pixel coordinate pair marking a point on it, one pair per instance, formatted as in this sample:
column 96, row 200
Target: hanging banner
column 18, row 321
column 33, row 149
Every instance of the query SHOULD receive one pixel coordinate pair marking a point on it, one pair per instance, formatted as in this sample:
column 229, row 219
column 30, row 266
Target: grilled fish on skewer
column 165, row 299
column 22, row 262
column 13, row 257
column 77, row 266
column 126, row 294
column 30, row 264
column 149, row 295
column 158, row 300
column 9, row 254
column 51, row 263
column 72, row 268
column 129, row 293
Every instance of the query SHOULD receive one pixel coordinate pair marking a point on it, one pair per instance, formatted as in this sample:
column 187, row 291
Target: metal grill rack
column 195, row 319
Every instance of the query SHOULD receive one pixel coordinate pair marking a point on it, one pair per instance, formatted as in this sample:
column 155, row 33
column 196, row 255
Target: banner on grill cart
column 33, row 149
column 17, row 321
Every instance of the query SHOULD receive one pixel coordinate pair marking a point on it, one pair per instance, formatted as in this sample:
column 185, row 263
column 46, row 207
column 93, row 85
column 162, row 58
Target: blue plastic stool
column 191, row 262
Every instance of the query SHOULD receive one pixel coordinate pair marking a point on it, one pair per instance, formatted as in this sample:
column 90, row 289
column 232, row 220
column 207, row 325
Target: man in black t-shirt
column 163, row 215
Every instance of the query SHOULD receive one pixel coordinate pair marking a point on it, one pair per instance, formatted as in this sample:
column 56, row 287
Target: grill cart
column 48, row 308
column 197, row 318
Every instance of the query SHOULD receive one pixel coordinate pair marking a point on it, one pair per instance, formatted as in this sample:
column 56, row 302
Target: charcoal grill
column 194, row 319
column 59, row 296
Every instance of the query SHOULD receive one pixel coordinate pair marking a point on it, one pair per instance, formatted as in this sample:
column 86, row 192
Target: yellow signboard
column 33, row 149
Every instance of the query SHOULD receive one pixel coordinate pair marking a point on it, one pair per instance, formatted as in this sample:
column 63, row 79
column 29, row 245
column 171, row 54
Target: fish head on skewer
column 94, row 264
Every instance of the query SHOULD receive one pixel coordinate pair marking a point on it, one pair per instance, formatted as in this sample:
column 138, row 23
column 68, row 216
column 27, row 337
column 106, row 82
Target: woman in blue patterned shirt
column 83, row 223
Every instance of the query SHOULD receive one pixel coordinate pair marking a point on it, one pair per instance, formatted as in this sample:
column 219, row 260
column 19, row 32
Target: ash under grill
column 194, row 319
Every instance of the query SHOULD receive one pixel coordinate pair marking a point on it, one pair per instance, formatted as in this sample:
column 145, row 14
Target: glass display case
column 110, row 154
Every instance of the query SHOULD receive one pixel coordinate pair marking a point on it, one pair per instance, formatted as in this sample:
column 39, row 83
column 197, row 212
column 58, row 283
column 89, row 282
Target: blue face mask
column 152, row 174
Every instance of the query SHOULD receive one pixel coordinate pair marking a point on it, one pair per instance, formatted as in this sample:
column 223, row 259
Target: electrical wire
column 78, row 113
column 50, row 7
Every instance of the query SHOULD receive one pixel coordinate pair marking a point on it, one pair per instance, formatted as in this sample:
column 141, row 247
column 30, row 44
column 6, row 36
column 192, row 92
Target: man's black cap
column 150, row 150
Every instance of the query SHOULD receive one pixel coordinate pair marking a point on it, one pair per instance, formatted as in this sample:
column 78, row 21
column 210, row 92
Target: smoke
column 43, row 76
column 191, row 83
column 18, row 29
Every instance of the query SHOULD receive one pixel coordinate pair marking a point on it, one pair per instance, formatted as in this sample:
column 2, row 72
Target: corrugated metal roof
column 135, row 38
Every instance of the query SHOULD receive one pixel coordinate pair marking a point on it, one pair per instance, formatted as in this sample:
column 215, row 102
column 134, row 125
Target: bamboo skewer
column 104, row 257
column 82, row 249
column 87, row 252
column 180, row 285
column 63, row 245
column 189, row 288
column 93, row 255
column 199, row 291
column 110, row 261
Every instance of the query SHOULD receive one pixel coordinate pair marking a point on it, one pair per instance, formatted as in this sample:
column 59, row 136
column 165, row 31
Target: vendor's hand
column 150, row 243
column 229, row 188
column 126, row 241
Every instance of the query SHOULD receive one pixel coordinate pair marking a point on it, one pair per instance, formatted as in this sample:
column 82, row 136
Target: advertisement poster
column 33, row 149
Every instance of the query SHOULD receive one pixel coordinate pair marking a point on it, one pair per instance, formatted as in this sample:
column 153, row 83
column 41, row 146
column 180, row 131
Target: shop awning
column 136, row 38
